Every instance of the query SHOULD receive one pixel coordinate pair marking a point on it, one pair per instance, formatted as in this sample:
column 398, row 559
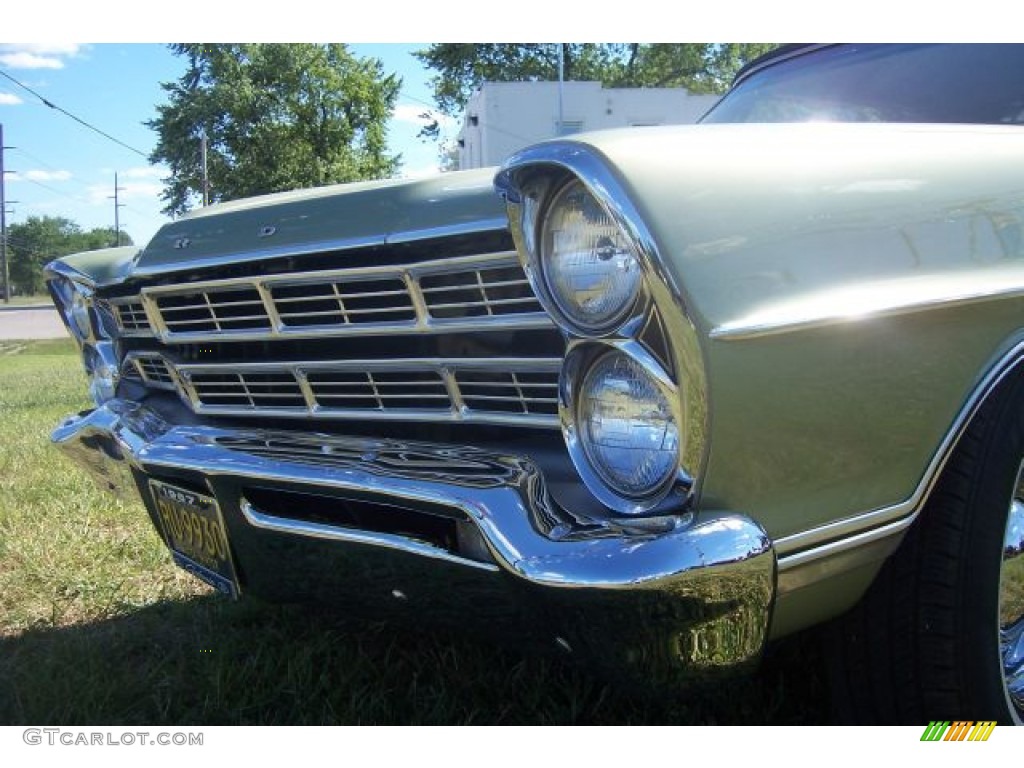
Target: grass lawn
column 98, row 627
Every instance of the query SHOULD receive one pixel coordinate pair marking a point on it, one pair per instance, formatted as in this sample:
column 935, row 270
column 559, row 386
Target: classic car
column 657, row 395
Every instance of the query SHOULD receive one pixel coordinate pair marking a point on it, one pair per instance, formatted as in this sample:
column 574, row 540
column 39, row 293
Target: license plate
column 194, row 530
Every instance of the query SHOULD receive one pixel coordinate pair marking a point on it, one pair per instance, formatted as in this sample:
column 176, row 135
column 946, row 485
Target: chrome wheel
column 1011, row 601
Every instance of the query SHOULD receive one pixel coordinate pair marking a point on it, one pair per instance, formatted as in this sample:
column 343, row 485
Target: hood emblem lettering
column 182, row 242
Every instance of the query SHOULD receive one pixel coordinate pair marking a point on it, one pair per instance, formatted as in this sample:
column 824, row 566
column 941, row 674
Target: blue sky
column 63, row 169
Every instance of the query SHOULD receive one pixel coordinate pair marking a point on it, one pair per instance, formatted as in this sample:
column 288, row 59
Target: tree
column 276, row 117
column 699, row 67
column 40, row 239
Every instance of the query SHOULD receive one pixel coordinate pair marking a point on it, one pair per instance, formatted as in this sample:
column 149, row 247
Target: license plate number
column 194, row 530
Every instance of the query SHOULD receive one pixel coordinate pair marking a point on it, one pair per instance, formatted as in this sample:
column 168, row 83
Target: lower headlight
column 627, row 427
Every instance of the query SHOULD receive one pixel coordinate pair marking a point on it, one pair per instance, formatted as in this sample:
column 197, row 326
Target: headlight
column 101, row 366
column 588, row 263
column 74, row 302
column 79, row 312
column 627, row 429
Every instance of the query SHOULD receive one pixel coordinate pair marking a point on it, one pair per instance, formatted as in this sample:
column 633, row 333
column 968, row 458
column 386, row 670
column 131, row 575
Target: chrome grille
column 153, row 370
column 249, row 389
column 336, row 302
column 130, row 316
column 465, row 293
column 526, row 392
column 522, row 391
column 217, row 310
column 382, row 390
column 478, row 292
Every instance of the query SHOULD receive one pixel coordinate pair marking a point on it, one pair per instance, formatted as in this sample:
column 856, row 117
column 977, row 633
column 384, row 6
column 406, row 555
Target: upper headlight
column 79, row 313
column 589, row 266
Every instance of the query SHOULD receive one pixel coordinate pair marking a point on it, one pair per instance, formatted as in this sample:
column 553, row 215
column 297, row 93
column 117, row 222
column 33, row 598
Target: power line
column 77, row 119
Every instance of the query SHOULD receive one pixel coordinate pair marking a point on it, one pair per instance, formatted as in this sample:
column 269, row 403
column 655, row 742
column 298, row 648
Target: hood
column 326, row 218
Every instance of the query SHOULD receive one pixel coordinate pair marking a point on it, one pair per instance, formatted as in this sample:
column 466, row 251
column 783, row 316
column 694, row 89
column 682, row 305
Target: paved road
column 30, row 323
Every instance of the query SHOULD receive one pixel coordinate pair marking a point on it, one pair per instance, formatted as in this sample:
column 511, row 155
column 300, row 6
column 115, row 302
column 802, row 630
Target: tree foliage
column 276, row 117
column 40, row 239
column 699, row 67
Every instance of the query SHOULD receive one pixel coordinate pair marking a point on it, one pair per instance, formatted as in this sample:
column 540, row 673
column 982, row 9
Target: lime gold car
column 657, row 396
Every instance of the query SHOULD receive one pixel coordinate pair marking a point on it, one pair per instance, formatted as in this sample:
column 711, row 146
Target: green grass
column 97, row 626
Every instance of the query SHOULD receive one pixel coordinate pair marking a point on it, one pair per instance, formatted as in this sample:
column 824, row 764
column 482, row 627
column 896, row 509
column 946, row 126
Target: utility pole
column 3, row 222
column 206, row 175
column 117, row 211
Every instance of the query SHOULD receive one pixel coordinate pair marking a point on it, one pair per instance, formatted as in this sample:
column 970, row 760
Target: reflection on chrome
column 1011, row 599
column 662, row 604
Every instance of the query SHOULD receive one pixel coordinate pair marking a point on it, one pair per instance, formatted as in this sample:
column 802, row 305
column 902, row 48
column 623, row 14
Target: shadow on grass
column 207, row 661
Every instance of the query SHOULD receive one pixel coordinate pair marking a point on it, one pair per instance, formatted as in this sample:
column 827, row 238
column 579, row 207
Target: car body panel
column 889, row 256
column 337, row 217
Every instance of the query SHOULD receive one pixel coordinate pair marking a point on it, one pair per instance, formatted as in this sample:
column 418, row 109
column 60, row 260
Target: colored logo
column 966, row 730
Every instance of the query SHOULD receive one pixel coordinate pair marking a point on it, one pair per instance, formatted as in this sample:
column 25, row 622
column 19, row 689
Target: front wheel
column 940, row 634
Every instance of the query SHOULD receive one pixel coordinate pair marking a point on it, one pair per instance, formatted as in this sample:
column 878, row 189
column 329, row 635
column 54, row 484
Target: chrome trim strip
column 267, row 522
column 905, row 512
column 324, row 246
column 847, row 544
column 872, row 300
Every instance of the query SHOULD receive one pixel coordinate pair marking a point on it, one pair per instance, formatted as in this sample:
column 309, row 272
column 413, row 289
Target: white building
column 501, row 118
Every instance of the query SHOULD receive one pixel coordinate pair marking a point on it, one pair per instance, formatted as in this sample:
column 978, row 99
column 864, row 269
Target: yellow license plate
column 194, row 530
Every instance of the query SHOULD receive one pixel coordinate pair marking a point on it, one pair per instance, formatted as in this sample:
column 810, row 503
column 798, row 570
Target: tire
column 927, row 640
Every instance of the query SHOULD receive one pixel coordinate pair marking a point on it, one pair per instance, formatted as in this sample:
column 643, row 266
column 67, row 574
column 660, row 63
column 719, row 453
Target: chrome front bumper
column 667, row 601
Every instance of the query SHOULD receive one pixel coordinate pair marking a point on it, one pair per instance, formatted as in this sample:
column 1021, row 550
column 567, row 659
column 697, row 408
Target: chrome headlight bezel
column 582, row 359
column 656, row 328
column 91, row 325
column 529, row 218
column 74, row 295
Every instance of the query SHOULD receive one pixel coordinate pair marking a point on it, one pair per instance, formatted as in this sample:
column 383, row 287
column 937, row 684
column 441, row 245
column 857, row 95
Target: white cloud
column 37, row 175
column 414, row 113
column 40, row 175
column 102, row 194
column 24, row 60
column 8, row 99
column 62, row 49
column 37, row 56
